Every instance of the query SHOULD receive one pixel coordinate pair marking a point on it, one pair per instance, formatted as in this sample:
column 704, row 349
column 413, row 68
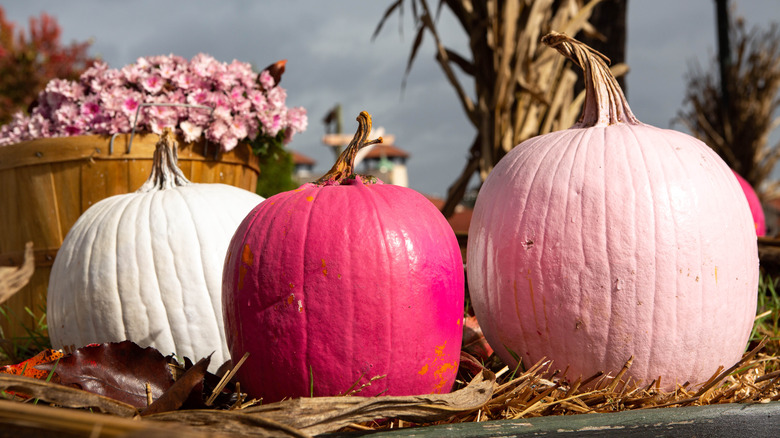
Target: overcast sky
column 332, row 59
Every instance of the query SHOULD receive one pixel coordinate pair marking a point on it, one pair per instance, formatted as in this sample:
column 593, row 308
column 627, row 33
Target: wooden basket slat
column 46, row 184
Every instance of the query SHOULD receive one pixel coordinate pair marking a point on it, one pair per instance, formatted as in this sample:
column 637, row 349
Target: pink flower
column 217, row 130
column 184, row 81
column 198, row 97
column 152, row 84
column 130, row 105
column 276, row 97
column 222, row 113
column 297, row 119
column 266, row 80
column 238, row 127
column 90, row 108
column 244, row 104
column 191, row 131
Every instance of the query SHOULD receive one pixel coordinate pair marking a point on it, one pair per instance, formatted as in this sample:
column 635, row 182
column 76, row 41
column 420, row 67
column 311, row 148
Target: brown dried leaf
column 64, row 395
column 181, row 390
column 119, row 370
column 12, row 279
column 325, row 414
column 27, row 420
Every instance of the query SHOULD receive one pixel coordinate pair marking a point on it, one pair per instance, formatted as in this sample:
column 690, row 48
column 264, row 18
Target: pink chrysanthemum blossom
column 226, row 103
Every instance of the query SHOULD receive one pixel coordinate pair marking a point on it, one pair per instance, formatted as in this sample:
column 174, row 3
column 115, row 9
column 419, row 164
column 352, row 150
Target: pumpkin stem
column 165, row 170
column 605, row 104
column 345, row 164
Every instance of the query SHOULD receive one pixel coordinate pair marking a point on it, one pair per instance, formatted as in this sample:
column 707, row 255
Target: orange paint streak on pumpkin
column 423, row 370
column 247, row 259
column 310, row 198
column 246, row 256
column 517, row 303
column 533, row 302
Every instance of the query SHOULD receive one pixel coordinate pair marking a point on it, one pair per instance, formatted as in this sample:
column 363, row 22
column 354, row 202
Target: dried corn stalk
column 522, row 89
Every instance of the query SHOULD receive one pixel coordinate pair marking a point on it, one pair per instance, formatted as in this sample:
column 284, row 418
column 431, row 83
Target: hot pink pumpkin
column 610, row 240
column 755, row 205
column 344, row 286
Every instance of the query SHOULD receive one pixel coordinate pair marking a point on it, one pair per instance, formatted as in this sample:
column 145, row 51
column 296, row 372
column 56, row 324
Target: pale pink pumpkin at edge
column 614, row 239
column 759, row 220
column 349, row 285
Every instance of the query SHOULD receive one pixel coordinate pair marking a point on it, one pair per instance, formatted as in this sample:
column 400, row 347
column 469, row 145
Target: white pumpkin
column 147, row 266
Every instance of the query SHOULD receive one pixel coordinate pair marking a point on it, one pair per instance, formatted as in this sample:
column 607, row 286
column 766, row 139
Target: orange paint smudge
column 443, row 369
column 423, row 370
column 292, row 286
column 533, row 302
column 290, row 299
column 310, row 198
column 246, row 255
column 242, row 270
column 440, row 349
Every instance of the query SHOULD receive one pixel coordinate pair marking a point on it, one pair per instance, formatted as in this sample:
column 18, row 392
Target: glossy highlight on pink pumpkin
column 348, row 287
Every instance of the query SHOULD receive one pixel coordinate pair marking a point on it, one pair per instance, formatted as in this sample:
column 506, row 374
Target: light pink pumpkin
column 610, row 240
column 344, row 286
column 754, row 203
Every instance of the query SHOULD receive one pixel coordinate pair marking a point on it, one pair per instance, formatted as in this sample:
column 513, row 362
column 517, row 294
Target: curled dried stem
column 345, row 164
column 605, row 103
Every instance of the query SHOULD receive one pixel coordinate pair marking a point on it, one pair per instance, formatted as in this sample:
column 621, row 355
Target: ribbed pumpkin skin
column 759, row 221
column 589, row 246
column 344, row 284
column 148, row 267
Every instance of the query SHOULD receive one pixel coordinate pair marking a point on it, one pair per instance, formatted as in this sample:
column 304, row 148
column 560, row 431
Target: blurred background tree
column 521, row 89
column 730, row 104
column 29, row 61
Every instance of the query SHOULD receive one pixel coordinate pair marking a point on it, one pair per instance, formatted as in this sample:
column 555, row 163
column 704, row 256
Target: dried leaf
column 474, row 341
column 27, row 368
column 64, row 395
column 181, row 390
column 117, row 370
column 12, row 279
column 389, row 11
column 28, row 420
column 325, row 414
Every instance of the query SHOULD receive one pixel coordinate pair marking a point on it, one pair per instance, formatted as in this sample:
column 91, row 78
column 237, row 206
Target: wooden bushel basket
column 46, row 184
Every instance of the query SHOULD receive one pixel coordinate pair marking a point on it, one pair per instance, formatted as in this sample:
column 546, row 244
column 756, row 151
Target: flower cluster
column 242, row 104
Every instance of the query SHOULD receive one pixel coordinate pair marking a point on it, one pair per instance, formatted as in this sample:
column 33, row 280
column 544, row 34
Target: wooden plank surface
column 725, row 420
column 59, row 149
column 102, row 179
